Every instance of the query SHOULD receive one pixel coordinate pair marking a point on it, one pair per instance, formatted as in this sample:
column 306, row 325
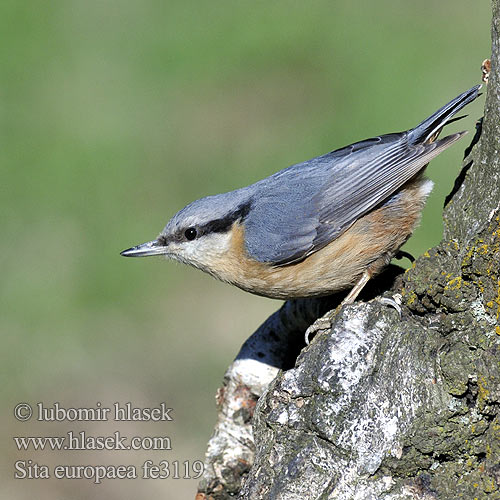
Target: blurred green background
column 114, row 115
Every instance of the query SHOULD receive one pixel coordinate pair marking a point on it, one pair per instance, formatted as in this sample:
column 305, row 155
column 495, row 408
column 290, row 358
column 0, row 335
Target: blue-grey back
column 307, row 205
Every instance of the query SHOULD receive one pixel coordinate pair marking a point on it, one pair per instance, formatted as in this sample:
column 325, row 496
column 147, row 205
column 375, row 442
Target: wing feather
column 302, row 208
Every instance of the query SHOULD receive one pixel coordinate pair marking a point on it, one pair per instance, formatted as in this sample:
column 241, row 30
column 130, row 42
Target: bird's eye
column 190, row 233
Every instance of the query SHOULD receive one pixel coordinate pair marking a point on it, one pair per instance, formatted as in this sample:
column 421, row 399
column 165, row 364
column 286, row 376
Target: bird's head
column 200, row 233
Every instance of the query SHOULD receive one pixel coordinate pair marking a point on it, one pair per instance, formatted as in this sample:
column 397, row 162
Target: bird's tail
column 430, row 127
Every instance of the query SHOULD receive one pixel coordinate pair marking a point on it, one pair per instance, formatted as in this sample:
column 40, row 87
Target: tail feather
column 431, row 126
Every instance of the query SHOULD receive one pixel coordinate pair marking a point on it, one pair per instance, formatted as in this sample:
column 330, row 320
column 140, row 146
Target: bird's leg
column 395, row 302
column 356, row 289
column 325, row 322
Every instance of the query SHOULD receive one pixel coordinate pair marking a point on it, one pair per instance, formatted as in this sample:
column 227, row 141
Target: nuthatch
column 317, row 227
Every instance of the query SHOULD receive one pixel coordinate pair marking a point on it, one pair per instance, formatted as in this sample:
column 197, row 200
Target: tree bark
column 383, row 407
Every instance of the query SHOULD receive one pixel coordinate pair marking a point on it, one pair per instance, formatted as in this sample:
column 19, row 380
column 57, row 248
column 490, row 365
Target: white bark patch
column 362, row 403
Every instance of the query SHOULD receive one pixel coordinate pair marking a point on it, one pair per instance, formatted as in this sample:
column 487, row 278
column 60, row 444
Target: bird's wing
column 303, row 208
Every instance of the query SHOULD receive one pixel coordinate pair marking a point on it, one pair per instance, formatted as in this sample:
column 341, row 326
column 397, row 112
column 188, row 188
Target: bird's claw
column 320, row 325
column 394, row 302
column 324, row 323
column 401, row 254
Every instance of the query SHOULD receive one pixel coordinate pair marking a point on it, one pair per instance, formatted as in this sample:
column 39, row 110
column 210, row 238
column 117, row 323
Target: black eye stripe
column 215, row 226
column 222, row 225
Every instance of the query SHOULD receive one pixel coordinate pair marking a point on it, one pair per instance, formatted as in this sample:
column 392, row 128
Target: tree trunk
column 382, row 407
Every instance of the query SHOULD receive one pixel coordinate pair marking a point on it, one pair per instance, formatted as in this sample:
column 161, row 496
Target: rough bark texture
column 388, row 408
column 273, row 347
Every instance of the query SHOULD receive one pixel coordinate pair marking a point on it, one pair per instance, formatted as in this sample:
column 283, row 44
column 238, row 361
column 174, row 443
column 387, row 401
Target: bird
column 318, row 227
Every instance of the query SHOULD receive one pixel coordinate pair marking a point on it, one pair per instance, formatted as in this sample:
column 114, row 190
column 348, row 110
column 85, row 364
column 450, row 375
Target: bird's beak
column 145, row 250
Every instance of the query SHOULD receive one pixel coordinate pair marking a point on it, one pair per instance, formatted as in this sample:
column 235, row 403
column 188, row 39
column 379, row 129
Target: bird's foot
column 322, row 324
column 401, row 254
column 319, row 326
column 394, row 302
